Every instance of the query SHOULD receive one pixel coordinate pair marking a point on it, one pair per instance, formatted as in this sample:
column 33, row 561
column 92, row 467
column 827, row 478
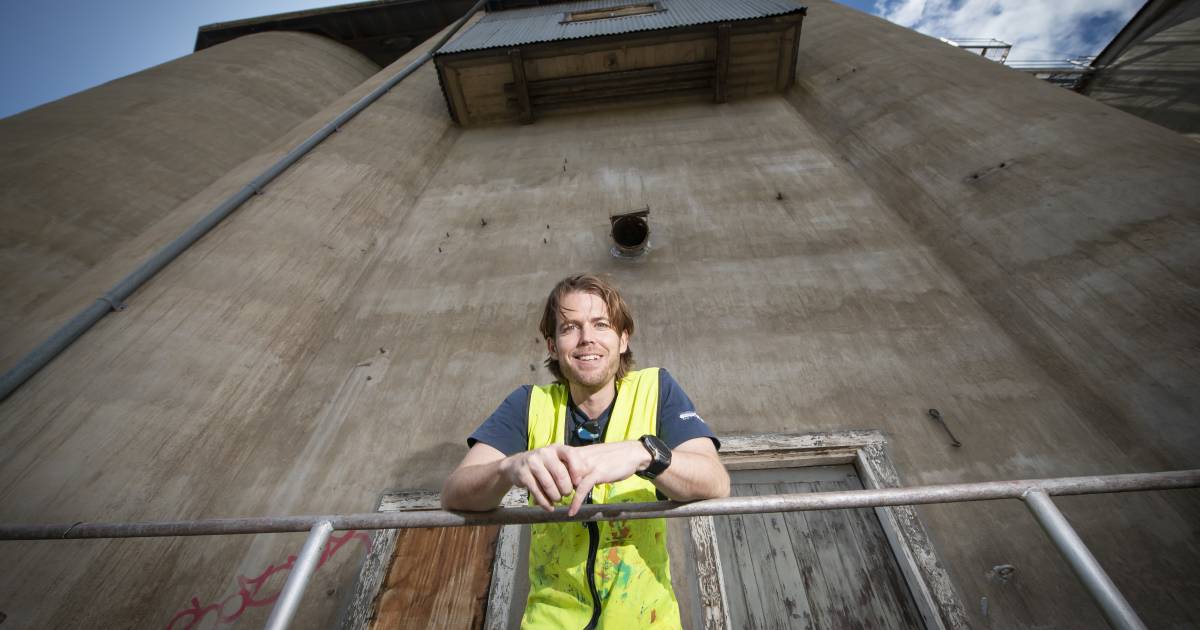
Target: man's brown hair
column 618, row 314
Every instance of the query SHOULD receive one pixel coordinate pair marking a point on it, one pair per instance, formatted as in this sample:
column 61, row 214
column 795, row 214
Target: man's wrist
column 504, row 466
column 643, row 456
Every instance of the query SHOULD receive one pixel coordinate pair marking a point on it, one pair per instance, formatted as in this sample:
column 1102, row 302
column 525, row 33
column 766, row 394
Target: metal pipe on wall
column 115, row 297
column 882, row 497
column 1116, row 608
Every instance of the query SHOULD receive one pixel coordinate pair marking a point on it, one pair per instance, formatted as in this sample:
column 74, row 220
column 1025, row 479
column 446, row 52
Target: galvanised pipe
column 302, row 570
column 920, row 495
column 1116, row 608
column 114, row 299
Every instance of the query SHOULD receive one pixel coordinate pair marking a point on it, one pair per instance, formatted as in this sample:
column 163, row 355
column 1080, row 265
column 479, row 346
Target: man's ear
column 624, row 343
column 550, row 347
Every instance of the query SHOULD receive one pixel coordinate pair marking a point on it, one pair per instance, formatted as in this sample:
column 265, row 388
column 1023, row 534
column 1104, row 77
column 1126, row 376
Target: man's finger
column 569, row 456
column 535, row 492
column 562, row 477
column 545, row 482
column 581, row 493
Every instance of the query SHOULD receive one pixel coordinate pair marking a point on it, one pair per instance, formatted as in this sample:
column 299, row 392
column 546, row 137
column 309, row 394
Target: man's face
column 586, row 345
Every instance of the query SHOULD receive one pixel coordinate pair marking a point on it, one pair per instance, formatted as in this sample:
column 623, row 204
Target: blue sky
column 1039, row 30
column 52, row 48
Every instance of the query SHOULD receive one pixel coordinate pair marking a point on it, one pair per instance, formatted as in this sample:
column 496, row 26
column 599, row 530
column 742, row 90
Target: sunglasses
column 588, row 431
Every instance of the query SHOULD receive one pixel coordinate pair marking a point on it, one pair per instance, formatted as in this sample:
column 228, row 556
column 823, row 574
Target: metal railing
column 1035, row 493
column 988, row 47
column 1068, row 73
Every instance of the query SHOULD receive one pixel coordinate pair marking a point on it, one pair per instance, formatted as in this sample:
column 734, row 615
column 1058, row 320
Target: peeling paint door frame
column 360, row 611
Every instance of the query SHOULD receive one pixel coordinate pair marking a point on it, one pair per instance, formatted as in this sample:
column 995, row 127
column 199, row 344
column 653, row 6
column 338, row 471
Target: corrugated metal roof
column 530, row 25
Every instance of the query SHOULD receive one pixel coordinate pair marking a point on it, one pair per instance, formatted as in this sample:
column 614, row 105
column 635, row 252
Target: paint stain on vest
column 623, row 534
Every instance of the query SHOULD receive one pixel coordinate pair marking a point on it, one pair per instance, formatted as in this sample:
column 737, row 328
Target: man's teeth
column 589, row 357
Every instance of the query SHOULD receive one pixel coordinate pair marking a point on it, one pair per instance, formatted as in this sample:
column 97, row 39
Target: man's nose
column 586, row 334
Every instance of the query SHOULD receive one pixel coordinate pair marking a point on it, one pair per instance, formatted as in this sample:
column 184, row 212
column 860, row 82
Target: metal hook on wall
column 937, row 415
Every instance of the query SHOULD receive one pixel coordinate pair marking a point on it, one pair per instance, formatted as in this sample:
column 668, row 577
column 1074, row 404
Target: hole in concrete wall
column 631, row 232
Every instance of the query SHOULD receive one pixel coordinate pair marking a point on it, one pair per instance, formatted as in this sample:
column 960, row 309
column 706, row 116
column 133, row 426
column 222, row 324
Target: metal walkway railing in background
column 1035, row 493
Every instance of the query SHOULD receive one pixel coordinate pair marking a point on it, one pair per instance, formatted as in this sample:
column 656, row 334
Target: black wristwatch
column 660, row 456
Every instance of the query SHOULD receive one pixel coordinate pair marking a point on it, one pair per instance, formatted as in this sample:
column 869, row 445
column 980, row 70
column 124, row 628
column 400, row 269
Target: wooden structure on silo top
column 905, row 227
column 513, row 64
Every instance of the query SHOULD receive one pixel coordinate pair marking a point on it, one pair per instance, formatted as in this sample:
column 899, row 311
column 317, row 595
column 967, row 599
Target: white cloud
column 1037, row 29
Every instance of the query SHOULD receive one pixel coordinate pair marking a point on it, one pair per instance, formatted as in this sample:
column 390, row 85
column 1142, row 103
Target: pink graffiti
column 247, row 595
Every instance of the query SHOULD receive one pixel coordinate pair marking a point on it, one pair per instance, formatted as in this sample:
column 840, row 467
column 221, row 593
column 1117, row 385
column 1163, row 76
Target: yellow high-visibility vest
column 627, row 560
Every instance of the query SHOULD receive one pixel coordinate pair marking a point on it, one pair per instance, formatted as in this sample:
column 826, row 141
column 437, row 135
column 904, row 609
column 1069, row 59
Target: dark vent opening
column 630, row 232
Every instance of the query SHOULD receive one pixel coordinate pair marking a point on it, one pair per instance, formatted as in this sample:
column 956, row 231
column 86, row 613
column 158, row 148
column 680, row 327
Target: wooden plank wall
column 753, row 63
column 823, row 569
column 438, row 579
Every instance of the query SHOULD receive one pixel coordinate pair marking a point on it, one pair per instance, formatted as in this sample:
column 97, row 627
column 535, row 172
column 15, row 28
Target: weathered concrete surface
column 1072, row 224
column 1157, row 76
column 82, row 175
column 1081, row 244
column 169, row 444
column 341, row 334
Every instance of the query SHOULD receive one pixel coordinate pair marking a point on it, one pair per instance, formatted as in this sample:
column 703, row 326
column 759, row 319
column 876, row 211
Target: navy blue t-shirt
column 507, row 429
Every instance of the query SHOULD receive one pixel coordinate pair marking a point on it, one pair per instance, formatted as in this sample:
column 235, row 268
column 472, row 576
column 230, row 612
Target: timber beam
column 521, row 86
column 721, row 78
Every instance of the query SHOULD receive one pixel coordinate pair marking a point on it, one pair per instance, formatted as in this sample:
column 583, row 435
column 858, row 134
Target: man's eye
column 566, row 328
column 602, row 325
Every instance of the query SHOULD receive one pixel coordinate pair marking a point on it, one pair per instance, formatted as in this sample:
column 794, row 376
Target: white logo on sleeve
column 690, row 415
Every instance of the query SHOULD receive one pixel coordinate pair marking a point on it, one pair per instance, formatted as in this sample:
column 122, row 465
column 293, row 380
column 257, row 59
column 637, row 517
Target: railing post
column 1118, row 611
column 302, row 570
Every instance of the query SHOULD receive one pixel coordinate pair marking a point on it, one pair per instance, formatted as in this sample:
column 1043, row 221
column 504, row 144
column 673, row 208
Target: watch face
column 655, row 445
column 659, row 453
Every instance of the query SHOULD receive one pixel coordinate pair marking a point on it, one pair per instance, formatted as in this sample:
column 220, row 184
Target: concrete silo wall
column 343, row 332
column 82, row 175
column 215, row 396
column 1073, row 224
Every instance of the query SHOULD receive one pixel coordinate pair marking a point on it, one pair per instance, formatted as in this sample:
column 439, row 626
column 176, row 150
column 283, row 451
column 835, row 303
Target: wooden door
column 824, row 569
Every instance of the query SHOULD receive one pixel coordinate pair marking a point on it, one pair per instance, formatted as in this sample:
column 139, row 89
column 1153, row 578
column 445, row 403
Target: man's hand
column 544, row 472
column 548, row 473
column 603, row 463
column 552, row 472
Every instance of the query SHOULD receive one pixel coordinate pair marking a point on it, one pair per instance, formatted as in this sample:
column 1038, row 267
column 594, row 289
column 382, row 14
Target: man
column 602, row 434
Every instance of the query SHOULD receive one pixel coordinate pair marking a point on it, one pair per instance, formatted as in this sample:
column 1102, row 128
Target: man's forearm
column 693, row 476
column 475, row 488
